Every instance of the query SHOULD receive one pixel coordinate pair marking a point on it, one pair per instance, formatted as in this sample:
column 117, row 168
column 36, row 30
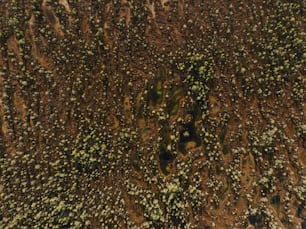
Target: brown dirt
column 84, row 64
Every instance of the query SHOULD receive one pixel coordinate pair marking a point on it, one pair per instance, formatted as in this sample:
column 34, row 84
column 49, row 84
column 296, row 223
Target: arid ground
column 152, row 114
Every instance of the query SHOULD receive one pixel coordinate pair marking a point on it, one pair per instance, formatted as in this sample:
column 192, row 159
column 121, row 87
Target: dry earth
column 152, row 114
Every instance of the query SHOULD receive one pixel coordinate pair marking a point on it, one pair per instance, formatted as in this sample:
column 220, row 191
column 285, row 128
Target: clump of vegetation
column 90, row 151
column 198, row 70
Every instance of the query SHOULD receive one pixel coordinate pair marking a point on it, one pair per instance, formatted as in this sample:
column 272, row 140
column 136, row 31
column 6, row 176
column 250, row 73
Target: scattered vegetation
column 152, row 114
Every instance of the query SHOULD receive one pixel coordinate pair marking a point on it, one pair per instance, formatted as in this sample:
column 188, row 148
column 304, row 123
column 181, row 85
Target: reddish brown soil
column 67, row 67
